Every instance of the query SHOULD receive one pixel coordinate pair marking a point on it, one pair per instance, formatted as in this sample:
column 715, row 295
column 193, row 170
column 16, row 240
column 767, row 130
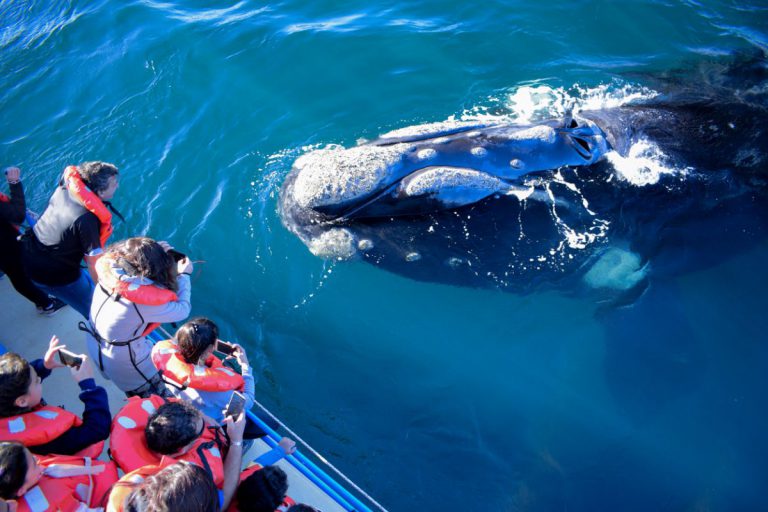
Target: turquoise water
column 430, row 396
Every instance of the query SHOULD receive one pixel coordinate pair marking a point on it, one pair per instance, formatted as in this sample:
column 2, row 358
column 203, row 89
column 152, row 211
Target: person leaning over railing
column 75, row 226
column 139, row 287
column 46, row 429
column 12, row 213
column 200, row 378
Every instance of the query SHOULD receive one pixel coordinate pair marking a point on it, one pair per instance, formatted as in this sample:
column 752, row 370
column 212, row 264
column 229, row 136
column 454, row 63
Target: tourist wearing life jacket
column 12, row 212
column 262, row 489
column 75, row 225
column 200, row 378
column 46, row 429
column 139, row 287
column 55, row 483
column 179, row 486
column 152, row 431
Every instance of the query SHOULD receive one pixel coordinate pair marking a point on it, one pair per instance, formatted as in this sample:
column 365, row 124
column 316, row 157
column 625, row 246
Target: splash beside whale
column 548, row 204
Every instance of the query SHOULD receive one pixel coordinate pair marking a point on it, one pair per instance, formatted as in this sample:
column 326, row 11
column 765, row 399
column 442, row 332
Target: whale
column 595, row 200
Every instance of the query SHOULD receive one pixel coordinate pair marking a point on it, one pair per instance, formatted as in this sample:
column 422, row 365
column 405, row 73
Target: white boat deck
column 24, row 331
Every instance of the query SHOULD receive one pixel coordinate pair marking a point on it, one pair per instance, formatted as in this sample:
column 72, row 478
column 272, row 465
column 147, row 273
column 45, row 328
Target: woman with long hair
column 140, row 286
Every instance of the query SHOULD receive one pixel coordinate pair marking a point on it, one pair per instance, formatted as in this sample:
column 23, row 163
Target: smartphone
column 226, row 348
column 67, row 358
column 235, row 406
column 176, row 255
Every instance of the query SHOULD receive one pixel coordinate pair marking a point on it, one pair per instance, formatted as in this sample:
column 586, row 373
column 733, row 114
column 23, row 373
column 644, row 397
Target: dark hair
column 142, row 256
column 172, row 427
column 96, row 175
column 263, row 491
column 301, row 507
column 181, row 486
column 194, row 337
column 15, row 379
column 13, row 468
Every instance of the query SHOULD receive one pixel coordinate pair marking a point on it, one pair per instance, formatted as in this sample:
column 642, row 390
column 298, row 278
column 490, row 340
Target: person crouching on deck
column 46, row 429
column 140, row 286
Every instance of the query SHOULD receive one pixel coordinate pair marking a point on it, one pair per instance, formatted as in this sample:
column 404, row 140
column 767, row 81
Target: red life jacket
column 287, row 503
column 68, row 493
column 43, row 425
column 125, row 485
column 129, row 445
column 114, row 280
column 92, row 202
column 214, row 376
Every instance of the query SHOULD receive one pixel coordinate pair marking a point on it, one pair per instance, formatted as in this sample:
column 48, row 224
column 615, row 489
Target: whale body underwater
column 549, row 205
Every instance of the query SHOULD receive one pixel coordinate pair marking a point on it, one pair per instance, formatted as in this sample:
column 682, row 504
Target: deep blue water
column 431, row 397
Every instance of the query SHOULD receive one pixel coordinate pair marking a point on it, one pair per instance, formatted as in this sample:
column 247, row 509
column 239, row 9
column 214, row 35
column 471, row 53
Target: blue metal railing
column 303, row 465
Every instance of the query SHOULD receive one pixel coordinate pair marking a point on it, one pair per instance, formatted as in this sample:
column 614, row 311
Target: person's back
column 140, row 286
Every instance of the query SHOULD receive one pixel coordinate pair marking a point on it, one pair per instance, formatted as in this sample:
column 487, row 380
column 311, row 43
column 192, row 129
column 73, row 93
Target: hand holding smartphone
column 70, row 359
column 226, row 348
column 235, row 406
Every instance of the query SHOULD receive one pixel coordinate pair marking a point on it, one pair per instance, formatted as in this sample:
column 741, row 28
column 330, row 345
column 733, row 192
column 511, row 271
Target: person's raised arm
column 234, row 458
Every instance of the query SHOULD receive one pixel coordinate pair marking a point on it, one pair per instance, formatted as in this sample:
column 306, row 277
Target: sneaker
column 52, row 308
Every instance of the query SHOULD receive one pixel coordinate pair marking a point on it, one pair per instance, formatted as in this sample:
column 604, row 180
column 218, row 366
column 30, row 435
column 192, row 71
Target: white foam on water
column 645, row 164
column 528, row 104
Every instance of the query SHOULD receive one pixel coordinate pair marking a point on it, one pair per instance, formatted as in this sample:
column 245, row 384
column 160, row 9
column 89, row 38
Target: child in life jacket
column 46, row 429
column 199, row 376
column 55, row 483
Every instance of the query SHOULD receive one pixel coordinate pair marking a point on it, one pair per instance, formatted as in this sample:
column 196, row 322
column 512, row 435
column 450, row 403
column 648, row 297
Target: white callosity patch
column 337, row 243
column 645, row 164
column 331, row 176
column 617, row 269
column 453, row 186
column 427, row 129
column 544, row 134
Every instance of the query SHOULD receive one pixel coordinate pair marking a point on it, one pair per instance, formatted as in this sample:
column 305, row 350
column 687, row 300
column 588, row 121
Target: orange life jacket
column 43, row 425
column 68, row 493
column 129, row 445
column 287, row 503
column 93, row 203
column 214, row 376
column 125, row 485
column 114, row 280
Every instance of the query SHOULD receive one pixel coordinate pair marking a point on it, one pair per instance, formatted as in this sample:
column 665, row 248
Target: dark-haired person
column 155, row 432
column 151, row 431
column 140, row 287
column 179, row 486
column 205, row 382
column 46, row 429
column 12, row 213
column 261, row 489
column 75, row 225
column 56, row 483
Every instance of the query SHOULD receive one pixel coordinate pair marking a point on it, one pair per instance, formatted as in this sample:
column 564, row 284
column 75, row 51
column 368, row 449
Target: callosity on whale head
column 519, row 206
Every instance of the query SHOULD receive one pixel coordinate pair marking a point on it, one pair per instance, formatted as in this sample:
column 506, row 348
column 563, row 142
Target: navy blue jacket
column 96, row 419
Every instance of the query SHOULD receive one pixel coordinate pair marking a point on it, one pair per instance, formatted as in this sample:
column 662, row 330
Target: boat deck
column 24, row 331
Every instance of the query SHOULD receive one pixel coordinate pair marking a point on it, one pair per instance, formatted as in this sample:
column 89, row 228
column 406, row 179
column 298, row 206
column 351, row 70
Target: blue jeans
column 78, row 294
